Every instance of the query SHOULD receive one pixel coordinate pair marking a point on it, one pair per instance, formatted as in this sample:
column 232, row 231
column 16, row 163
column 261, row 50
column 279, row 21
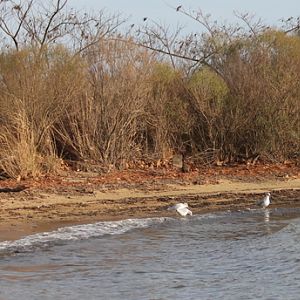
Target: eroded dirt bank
column 36, row 206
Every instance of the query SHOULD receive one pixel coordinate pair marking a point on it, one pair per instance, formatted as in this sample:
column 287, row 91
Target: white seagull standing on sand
column 265, row 202
column 182, row 209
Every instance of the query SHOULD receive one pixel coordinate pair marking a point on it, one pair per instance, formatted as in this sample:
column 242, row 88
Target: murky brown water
column 241, row 255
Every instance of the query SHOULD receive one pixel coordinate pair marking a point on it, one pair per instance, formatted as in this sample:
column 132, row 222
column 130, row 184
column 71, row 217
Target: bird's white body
column 182, row 209
column 265, row 202
column 180, row 205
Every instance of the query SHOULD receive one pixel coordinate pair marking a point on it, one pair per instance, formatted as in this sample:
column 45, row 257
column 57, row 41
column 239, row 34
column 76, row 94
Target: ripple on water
column 239, row 255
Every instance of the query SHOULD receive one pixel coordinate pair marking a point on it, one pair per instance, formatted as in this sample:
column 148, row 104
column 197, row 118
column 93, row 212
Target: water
column 231, row 255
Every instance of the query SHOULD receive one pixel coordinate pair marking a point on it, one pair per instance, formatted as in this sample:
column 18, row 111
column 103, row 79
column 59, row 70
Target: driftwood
column 16, row 189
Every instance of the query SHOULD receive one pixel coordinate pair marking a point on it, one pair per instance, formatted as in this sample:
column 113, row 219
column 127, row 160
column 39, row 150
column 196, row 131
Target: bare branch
column 59, row 6
column 40, row 23
column 255, row 26
column 7, row 13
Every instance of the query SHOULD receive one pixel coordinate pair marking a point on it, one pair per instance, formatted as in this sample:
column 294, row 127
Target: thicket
column 74, row 89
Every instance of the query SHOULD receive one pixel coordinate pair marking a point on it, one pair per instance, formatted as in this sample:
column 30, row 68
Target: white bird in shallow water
column 182, row 209
column 265, row 202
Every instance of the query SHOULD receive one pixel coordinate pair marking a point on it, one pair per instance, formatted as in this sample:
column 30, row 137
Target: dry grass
column 117, row 103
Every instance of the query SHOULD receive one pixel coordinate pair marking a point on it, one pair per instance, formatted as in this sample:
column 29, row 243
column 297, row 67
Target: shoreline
column 34, row 210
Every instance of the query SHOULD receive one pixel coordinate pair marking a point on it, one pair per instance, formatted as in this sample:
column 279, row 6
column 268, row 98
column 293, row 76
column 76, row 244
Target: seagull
column 265, row 202
column 182, row 209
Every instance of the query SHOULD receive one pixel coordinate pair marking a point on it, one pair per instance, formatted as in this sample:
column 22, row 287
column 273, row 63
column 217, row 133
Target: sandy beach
column 46, row 204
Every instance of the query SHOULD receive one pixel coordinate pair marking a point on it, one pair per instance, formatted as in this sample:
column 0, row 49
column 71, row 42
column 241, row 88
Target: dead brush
column 19, row 157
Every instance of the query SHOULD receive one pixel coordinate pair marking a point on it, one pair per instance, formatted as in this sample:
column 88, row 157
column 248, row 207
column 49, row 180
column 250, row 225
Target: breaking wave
column 77, row 232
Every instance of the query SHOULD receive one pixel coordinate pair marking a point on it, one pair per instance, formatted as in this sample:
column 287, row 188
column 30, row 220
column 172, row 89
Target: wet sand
column 37, row 208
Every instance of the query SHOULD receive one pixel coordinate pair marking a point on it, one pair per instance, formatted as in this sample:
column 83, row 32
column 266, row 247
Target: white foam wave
column 77, row 232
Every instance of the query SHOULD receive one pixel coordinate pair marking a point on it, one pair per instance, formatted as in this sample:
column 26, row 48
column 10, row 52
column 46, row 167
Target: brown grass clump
column 94, row 97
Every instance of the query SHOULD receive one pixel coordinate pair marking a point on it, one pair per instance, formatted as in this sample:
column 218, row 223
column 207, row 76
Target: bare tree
column 40, row 23
column 12, row 17
column 291, row 25
column 207, row 46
